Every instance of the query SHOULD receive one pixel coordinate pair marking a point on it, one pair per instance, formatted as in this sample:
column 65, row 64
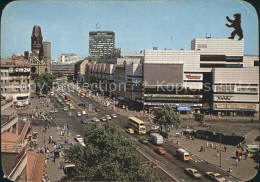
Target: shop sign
column 225, row 98
column 224, row 88
column 193, row 76
column 17, row 69
column 183, row 108
column 246, row 90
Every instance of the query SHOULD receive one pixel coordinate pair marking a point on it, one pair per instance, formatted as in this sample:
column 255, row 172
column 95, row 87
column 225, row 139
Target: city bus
column 183, row 154
column 138, row 125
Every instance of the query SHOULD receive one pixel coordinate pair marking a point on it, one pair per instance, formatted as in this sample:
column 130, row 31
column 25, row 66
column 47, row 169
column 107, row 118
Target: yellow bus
column 138, row 125
column 183, row 154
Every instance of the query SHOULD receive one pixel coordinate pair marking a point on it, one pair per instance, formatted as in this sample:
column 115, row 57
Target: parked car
column 65, row 109
column 97, row 110
column 215, row 176
column 52, row 111
column 70, row 114
column 95, row 119
column 84, row 121
column 130, row 131
column 160, row 150
column 113, row 115
column 104, row 119
column 78, row 114
column 193, row 172
column 83, row 112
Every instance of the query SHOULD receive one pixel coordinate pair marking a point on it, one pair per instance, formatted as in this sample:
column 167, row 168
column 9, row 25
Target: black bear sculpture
column 236, row 24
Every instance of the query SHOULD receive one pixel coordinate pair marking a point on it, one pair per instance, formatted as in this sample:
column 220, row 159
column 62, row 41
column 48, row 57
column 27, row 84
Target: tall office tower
column 101, row 43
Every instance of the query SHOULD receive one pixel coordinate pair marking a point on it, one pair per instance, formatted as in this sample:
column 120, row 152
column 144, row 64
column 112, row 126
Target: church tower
column 36, row 42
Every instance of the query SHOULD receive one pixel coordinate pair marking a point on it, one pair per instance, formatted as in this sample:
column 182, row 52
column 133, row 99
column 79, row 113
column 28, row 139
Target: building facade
column 101, row 43
column 64, row 68
column 68, row 58
column 15, row 80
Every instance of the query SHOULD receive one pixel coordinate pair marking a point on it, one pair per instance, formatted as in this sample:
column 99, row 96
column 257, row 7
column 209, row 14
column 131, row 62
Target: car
column 52, row 111
column 143, row 140
column 113, row 115
column 72, row 91
column 193, row 172
column 70, row 114
column 82, row 96
column 129, row 130
column 95, row 119
column 83, row 112
column 97, row 110
column 84, row 121
column 160, row 150
column 78, row 114
column 65, row 109
column 80, row 140
column 104, row 119
column 154, row 128
column 108, row 117
column 215, row 176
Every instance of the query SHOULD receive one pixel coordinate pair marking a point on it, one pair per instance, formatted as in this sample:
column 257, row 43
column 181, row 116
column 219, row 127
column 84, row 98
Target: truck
column 156, row 138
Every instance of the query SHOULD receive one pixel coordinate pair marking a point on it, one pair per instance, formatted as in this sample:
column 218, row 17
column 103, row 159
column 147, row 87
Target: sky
column 138, row 25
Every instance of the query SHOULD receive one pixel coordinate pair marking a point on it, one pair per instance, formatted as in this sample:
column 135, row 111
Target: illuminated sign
column 234, row 106
column 193, row 76
column 226, row 98
column 22, row 70
column 183, row 108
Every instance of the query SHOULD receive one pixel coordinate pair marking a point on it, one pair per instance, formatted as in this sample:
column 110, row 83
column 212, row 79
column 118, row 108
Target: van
column 156, row 139
column 183, row 154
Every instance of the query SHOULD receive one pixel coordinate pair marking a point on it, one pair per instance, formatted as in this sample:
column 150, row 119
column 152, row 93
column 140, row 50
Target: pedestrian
column 44, row 139
column 245, row 155
column 54, row 157
column 58, row 128
column 201, row 148
column 236, row 162
column 218, row 153
column 45, row 149
column 48, row 125
column 225, row 148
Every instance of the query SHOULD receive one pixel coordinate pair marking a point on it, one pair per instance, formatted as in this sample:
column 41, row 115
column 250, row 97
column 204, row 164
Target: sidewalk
column 245, row 169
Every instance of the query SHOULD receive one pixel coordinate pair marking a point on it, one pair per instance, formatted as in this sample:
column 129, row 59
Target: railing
column 11, row 148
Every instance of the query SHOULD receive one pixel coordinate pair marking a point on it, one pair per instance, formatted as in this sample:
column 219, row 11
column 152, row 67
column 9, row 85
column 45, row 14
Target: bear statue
column 236, row 24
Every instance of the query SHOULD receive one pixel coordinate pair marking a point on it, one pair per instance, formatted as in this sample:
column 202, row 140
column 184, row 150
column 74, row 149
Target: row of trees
column 108, row 156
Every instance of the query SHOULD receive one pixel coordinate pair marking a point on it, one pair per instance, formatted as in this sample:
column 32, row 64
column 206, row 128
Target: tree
column 107, row 156
column 57, row 74
column 43, row 83
column 166, row 116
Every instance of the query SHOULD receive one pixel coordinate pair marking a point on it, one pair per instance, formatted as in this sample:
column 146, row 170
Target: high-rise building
column 101, row 43
column 68, row 58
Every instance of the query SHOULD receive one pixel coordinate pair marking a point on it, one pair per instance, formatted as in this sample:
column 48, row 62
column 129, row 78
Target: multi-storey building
column 64, row 68
column 15, row 80
column 101, row 44
column 202, row 65
column 68, row 58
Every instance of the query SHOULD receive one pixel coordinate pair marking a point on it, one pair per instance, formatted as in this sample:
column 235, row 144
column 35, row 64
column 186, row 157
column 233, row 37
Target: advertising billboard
column 163, row 74
column 183, row 108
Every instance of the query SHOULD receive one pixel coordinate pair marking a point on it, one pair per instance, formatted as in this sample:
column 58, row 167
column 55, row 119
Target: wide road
column 169, row 162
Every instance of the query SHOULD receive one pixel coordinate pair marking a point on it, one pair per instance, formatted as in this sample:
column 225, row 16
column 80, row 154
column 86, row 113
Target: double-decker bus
column 138, row 125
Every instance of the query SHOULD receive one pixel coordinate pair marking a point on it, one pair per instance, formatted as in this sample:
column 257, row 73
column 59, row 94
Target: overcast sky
column 138, row 25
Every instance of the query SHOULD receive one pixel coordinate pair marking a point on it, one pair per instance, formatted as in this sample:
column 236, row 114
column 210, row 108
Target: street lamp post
column 143, row 102
column 220, row 149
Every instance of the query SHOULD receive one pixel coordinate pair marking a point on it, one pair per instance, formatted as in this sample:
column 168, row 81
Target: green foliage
column 108, row 156
column 57, row 74
column 44, row 83
column 166, row 116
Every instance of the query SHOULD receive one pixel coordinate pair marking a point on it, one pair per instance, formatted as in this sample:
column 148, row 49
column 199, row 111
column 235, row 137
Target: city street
column 169, row 163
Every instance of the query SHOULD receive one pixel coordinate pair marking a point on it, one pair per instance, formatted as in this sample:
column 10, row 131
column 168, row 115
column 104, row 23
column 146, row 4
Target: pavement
column 53, row 171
